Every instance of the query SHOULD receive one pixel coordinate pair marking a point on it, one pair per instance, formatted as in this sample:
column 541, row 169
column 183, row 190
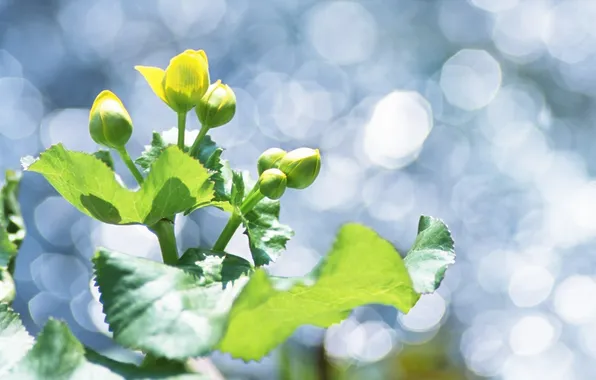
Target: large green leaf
column 58, row 355
column 175, row 183
column 209, row 155
column 12, row 227
column 186, row 311
column 14, row 339
column 432, row 252
column 362, row 268
column 167, row 311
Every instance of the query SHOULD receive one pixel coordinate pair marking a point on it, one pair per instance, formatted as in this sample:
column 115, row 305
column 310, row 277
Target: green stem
column 181, row 129
column 131, row 165
column 250, row 201
column 194, row 150
column 164, row 230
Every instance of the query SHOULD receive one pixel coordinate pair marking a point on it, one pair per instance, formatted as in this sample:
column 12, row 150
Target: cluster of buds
column 184, row 85
column 279, row 169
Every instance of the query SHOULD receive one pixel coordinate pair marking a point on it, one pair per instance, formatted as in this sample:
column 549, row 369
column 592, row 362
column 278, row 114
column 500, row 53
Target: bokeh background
column 480, row 112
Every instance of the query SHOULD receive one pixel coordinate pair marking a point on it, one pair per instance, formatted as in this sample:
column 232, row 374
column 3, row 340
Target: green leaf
column 209, row 156
column 267, row 237
column 214, row 266
column 105, row 157
column 152, row 152
column 238, row 190
column 432, row 252
column 15, row 341
column 7, row 286
column 160, row 309
column 130, row 371
column 175, row 183
column 362, row 268
column 58, row 355
column 186, row 311
column 12, row 226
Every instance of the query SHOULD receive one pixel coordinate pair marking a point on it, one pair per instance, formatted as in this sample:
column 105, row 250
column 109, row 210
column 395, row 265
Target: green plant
column 207, row 298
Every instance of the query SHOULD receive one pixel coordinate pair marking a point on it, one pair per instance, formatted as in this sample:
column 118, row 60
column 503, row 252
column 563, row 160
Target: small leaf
column 237, row 189
column 362, row 268
column 151, row 152
column 57, row 354
column 267, row 237
column 12, row 226
column 175, row 183
column 105, row 157
column 209, row 156
column 214, row 266
column 432, row 252
column 15, row 341
column 160, row 309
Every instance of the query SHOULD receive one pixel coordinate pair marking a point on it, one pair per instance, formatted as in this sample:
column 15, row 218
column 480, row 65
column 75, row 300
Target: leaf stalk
column 181, row 129
column 164, row 230
column 194, row 150
column 235, row 220
column 131, row 165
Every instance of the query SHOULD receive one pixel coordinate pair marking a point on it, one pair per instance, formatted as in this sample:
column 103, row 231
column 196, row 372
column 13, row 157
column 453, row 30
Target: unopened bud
column 109, row 122
column 272, row 183
column 301, row 166
column 218, row 106
column 269, row 159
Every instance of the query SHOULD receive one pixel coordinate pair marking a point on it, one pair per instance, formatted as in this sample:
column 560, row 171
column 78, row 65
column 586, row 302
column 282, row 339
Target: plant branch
column 181, row 129
column 194, row 150
column 164, row 230
column 235, row 220
column 131, row 165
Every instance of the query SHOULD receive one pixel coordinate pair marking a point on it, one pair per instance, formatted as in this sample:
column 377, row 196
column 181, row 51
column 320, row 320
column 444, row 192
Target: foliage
column 208, row 298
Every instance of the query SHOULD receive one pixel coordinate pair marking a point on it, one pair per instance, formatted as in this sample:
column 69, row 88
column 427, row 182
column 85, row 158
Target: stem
column 194, row 150
column 131, row 165
column 250, row 201
column 164, row 230
column 181, row 128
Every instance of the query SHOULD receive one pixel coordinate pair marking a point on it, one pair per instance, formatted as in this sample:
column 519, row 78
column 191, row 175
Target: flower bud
column 301, row 166
column 183, row 83
column 269, row 158
column 109, row 122
column 272, row 183
column 218, row 105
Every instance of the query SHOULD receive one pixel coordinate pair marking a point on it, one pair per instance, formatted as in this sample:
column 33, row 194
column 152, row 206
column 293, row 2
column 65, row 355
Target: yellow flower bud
column 269, row 159
column 272, row 183
column 218, row 105
column 109, row 122
column 183, row 83
column 301, row 166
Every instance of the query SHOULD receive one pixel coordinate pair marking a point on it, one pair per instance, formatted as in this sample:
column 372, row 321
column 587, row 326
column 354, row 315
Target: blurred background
column 479, row 112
